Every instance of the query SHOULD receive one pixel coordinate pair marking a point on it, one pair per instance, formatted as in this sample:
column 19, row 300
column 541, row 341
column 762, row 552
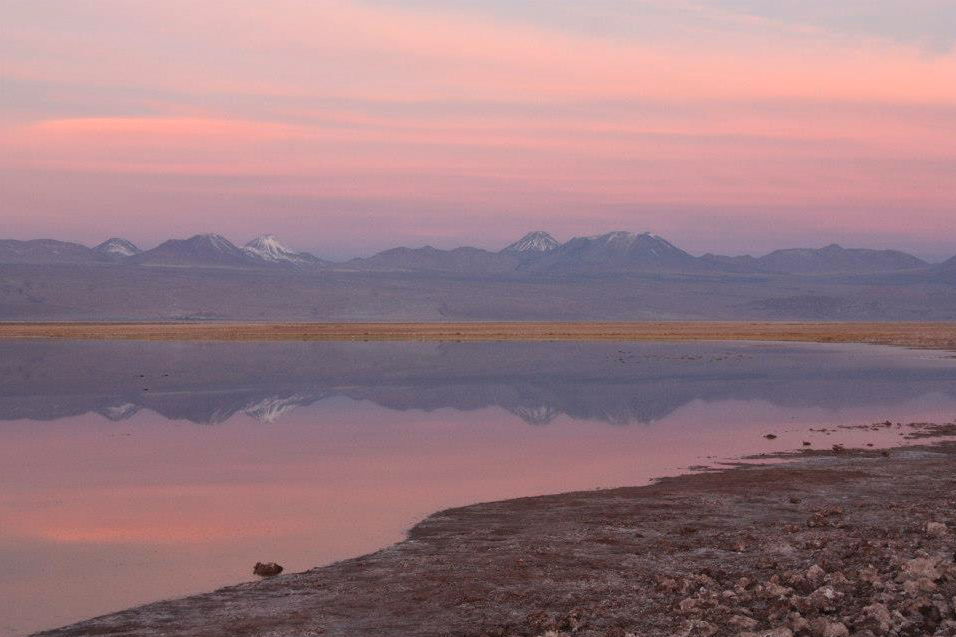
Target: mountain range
column 618, row 276
column 536, row 253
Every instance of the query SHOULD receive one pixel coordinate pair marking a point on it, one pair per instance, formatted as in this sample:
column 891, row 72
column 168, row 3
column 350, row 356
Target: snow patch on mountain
column 537, row 241
column 269, row 248
column 117, row 246
column 120, row 411
column 270, row 409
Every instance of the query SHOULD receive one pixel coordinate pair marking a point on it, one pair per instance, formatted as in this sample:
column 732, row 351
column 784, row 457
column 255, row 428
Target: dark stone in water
column 269, row 569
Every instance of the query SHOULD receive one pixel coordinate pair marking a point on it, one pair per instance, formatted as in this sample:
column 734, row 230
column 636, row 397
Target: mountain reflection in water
column 615, row 383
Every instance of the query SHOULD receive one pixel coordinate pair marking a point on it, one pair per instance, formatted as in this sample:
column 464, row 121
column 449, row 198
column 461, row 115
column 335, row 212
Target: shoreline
column 910, row 334
column 852, row 538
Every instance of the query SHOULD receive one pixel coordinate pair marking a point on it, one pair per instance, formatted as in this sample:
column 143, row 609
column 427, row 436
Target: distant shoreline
column 936, row 335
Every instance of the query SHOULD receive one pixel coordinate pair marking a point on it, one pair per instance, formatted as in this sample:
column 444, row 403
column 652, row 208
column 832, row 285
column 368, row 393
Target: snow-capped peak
column 118, row 246
column 214, row 240
column 271, row 409
column 537, row 241
column 269, row 247
column 618, row 236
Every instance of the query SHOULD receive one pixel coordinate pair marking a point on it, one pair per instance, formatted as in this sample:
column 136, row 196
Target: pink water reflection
column 97, row 515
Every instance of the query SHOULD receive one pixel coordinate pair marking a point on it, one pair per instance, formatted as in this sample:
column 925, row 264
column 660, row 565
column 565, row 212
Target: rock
column 822, row 599
column 821, row 627
column 772, row 632
column 697, row 628
column 771, row 436
column 946, row 629
column 877, row 617
column 869, row 574
column 838, row 580
column 267, row 569
column 919, row 586
column 687, row 604
column 798, row 623
column 806, row 443
column 668, row 584
column 540, row 621
column 838, row 449
column 776, row 590
column 836, row 629
column 742, row 622
column 936, row 529
column 817, row 520
column 573, row 621
column 815, row 573
column 919, row 568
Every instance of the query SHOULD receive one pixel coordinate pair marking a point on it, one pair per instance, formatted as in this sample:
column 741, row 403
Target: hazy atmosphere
column 478, row 318
column 731, row 126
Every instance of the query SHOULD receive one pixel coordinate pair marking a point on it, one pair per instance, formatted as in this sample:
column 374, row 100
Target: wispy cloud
column 486, row 117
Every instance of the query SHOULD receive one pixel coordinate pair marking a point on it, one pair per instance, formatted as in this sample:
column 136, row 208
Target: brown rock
column 540, row 621
column 878, row 618
column 697, row 628
column 573, row 621
column 919, row 568
column 823, row 598
column 836, row 629
column 816, row 520
column 742, row 622
column 822, row 627
column 771, row 632
column 267, row 569
column 687, row 604
column 936, row 529
column 776, row 590
column 815, row 573
column 919, row 586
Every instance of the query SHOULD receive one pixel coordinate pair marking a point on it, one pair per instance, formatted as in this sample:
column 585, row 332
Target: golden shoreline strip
column 920, row 335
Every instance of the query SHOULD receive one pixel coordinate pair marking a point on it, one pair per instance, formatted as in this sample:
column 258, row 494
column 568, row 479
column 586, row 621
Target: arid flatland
column 935, row 335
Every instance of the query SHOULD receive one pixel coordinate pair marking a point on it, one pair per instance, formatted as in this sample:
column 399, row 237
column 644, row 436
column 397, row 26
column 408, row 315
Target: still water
column 131, row 472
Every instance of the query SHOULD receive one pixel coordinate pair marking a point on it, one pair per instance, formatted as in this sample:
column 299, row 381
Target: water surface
column 131, row 472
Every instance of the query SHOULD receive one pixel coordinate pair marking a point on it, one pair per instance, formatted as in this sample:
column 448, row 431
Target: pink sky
column 346, row 127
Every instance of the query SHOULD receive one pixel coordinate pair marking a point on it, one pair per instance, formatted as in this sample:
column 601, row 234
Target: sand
column 918, row 335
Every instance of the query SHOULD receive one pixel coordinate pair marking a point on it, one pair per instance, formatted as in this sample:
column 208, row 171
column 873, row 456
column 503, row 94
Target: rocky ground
column 848, row 542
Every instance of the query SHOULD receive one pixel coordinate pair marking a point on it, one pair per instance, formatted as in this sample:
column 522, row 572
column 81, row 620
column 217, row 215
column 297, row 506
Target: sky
column 345, row 127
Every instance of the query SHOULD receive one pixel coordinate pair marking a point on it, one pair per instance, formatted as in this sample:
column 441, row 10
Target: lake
column 136, row 471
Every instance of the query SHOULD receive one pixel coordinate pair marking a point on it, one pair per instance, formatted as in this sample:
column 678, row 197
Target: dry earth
column 922, row 335
column 832, row 544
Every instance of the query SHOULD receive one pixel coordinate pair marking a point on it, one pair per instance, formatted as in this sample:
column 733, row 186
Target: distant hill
column 116, row 249
column 199, row 250
column 612, row 276
column 537, row 252
column 44, row 251
column 269, row 248
column 457, row 261
column 534, row 243
column 834, row 258
column 617, row 252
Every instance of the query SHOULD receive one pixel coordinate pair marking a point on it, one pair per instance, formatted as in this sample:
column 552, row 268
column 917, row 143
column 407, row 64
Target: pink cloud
column 344, row 101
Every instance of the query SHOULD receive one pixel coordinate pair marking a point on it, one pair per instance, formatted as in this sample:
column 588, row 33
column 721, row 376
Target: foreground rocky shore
column 833, row 544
